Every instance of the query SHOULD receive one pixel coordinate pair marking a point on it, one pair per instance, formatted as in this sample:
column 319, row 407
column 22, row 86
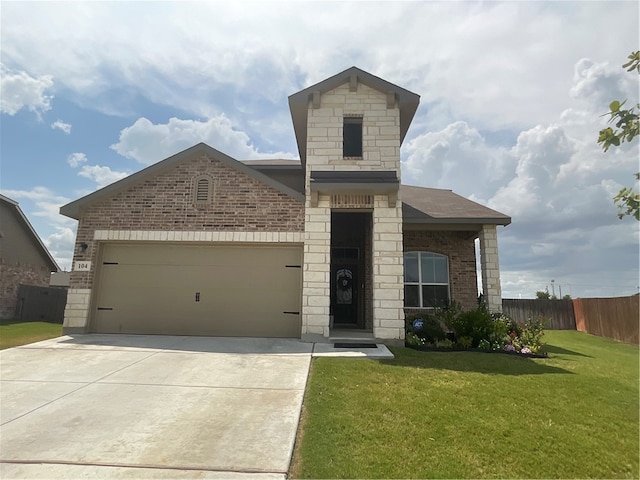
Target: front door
column 344, row 294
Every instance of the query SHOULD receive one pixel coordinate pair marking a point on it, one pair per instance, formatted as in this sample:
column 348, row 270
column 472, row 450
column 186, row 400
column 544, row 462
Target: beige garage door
column 199, row 290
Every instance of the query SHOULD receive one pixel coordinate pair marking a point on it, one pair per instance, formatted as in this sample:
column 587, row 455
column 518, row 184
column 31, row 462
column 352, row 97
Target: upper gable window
column 202, row 190
column 352, row 137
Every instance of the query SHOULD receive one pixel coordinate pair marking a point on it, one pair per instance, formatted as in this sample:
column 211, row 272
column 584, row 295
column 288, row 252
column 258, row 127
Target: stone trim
column 198, row 236
column 76, row 312
column 351, row 201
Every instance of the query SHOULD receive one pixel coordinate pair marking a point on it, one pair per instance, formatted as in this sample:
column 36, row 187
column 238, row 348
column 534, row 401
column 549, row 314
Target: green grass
column 13, row 334
column 474, row 415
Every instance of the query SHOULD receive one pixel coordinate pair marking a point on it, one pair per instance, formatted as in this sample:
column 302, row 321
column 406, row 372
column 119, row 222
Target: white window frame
column 420, row 283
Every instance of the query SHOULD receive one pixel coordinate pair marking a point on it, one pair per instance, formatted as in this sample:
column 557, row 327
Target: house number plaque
column 82, row 266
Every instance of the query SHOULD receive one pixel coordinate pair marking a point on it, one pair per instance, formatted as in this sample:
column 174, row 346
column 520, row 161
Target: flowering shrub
column 476, row 328
column 532, row 333
column 413, row 339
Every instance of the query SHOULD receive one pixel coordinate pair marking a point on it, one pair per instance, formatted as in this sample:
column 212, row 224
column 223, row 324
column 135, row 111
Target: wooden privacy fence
column 41, row 304
column 559, row 311
column 615, row 318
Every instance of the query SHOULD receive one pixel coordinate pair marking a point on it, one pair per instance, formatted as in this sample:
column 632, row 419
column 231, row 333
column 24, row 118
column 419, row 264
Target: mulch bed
column 427, row 348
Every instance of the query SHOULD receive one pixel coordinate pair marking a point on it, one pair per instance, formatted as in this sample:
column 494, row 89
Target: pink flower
column 526, row 350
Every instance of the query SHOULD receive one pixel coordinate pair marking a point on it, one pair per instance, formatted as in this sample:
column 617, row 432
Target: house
column 203, row 244
column 24, row 260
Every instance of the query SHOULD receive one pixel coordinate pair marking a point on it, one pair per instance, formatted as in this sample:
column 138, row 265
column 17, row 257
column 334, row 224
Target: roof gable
column 74, row 209
column 299, row 102
column 10, row 205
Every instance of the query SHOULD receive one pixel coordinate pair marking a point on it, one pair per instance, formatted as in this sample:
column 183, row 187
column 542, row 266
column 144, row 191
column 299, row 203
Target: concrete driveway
column 138, row 406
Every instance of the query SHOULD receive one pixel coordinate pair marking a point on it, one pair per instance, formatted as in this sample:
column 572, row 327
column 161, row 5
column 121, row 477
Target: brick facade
column 162, row 208
column 12, row 276
column 164, row 202
column 459, row 247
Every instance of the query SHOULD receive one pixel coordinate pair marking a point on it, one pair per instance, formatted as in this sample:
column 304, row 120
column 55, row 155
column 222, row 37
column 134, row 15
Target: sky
column 512, row 99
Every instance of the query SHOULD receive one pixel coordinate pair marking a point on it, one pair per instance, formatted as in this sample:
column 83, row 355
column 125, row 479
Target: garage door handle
column 105, row 308
column 292, row 313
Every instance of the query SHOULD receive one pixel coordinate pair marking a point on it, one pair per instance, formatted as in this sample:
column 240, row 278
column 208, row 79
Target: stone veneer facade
column 161, row 209
column 490, row 266
column 381, row 151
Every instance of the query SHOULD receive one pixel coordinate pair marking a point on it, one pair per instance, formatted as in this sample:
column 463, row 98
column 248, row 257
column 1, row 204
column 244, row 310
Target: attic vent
column 351, row 201
column 202, row 189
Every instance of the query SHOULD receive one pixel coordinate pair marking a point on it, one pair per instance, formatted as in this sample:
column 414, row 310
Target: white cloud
column 148, row 143
column 62, row 126
column 60, row 244
column 75, row 159
column 437, row 159
column 103, row 176
column 21, row 90
column 46, row 202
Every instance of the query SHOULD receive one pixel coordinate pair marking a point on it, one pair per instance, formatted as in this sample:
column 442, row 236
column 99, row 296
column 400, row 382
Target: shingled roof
column 422, row 205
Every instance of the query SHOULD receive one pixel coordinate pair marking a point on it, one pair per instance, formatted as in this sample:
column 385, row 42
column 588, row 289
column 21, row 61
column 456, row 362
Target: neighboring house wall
column 459, row 247
column 22, row 259
column 381, row 151
column 12, row 276
column 161, row 208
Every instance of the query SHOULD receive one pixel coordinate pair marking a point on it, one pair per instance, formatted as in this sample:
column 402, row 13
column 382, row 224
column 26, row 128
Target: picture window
column 426, row 280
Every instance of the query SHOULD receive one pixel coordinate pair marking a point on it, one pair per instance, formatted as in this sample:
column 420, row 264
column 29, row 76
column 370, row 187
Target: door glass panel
column 344, row 287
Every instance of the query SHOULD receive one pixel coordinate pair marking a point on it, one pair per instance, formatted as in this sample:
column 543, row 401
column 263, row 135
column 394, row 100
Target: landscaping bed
column 424, row 414
column 453, row 329
column 454, row 348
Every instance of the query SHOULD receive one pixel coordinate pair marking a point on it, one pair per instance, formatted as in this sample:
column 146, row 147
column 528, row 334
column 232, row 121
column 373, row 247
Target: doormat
column 355, row 345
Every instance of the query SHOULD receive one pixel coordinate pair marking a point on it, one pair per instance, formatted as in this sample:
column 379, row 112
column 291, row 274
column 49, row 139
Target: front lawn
column 474, row 415
column 13, row 334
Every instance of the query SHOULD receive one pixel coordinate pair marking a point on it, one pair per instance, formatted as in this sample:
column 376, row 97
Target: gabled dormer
column 352, row 122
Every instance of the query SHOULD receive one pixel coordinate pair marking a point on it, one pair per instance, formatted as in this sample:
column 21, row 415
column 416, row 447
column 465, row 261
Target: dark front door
column 344, row 293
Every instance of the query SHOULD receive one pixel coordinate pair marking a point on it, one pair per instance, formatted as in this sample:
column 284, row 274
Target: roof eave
column 75, row 208
column 458, row 220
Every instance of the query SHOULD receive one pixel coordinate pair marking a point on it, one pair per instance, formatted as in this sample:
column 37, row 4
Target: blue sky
column 511, row 98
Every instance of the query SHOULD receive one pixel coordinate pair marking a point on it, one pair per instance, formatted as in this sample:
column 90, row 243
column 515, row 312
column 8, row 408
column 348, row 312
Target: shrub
column 477, row 324
column 413, row 339
column 532, row 333
column 431, row 330
column 465, row 342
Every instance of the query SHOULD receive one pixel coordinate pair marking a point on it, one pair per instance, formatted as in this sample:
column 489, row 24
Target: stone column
column 490, row 266
column 316, row 271
column 388, row 272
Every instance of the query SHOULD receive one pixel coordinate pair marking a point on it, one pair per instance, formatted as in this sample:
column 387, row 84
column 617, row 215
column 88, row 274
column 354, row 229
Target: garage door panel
column 239, row 291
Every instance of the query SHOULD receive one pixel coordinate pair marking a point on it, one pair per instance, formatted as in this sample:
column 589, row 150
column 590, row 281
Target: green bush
column 532, row 333
column 431, row 331
column 476, row 324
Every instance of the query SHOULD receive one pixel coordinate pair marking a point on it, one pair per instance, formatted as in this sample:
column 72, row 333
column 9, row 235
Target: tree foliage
column 626, row 123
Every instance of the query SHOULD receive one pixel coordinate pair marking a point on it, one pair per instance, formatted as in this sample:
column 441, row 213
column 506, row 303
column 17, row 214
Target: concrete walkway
column 137, row 406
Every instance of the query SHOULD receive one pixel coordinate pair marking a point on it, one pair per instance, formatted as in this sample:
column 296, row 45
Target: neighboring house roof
column 74, row 209
column 432, row 205
column 13, row 206
column 299, row 102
